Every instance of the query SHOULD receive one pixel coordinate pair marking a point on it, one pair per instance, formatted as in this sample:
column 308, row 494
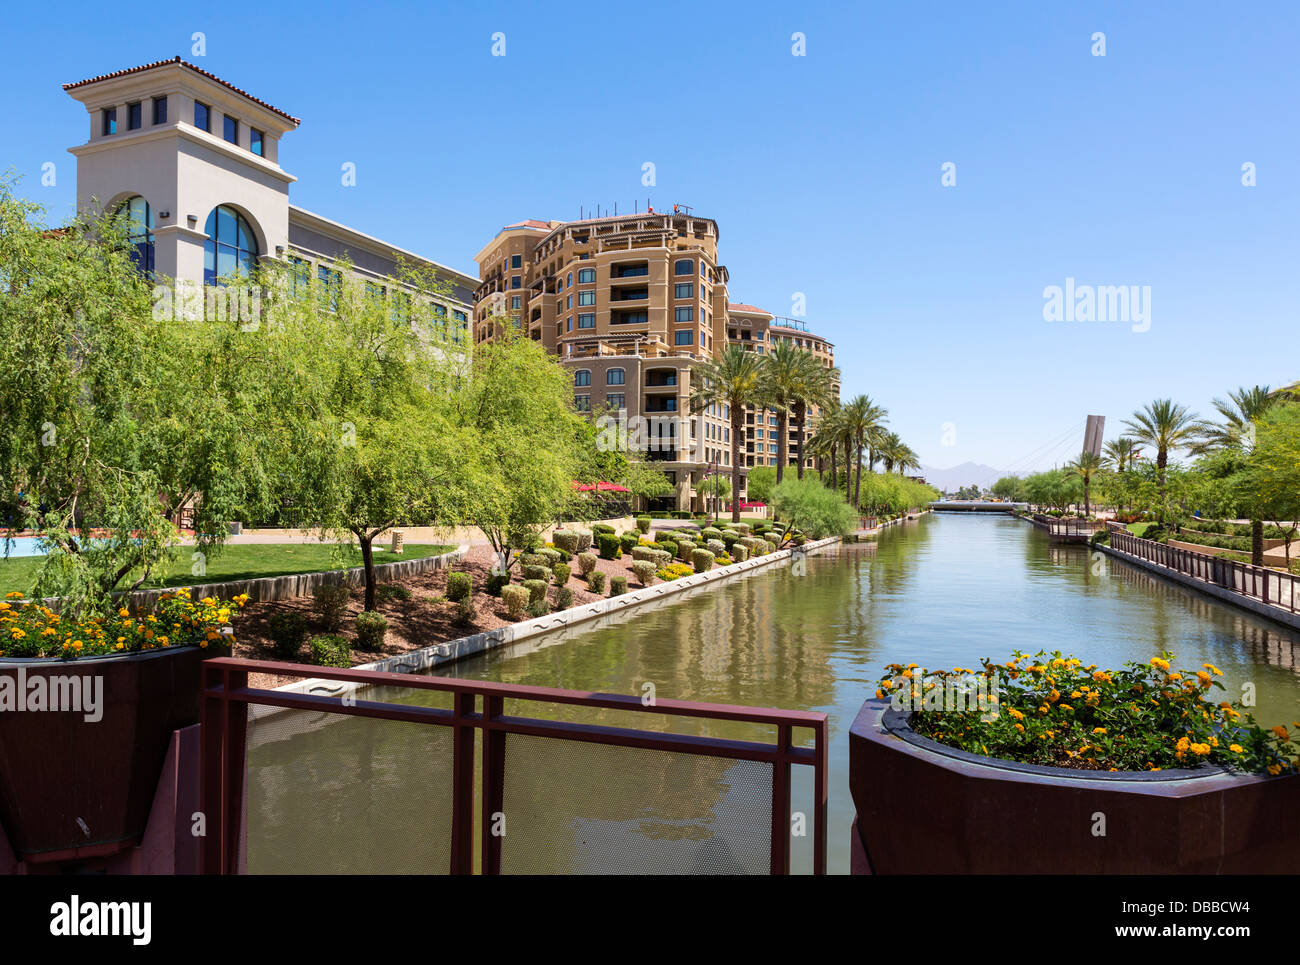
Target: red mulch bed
column 414, row 623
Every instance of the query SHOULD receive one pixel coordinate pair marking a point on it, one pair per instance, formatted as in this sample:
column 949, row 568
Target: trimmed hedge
column 459, row 586
column 628, row 542
column 617, row 585
column 561, row 572
column 643, row 524
column 516, row 600
column 702, row 560
column 331, row 650
column 563, row 598
column 287, row 631
column 610, row 548
column 331, row 603
column 586, row 563
column 542, row 573
column 644, row 571
column 596, row 581
column 496, row 582
column 536, row 589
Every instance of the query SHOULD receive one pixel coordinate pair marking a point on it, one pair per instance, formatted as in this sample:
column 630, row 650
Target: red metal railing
column 1273, row 587
column 478, row 708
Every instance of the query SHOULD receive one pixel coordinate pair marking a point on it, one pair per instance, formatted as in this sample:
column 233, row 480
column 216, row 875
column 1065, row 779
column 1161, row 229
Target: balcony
column 660, row 378
column 660, row 403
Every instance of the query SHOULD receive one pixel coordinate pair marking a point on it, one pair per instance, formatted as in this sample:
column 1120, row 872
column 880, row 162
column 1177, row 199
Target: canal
column 942, row 591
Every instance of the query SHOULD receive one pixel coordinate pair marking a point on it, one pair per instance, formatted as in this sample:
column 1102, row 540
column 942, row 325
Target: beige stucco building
column 196, row 162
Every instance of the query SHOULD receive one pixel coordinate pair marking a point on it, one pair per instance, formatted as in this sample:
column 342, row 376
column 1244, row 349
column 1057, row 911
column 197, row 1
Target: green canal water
column 942, row 591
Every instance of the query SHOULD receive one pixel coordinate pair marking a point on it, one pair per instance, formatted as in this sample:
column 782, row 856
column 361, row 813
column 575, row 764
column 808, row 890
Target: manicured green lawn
column 245, row 561
column 1139, row 529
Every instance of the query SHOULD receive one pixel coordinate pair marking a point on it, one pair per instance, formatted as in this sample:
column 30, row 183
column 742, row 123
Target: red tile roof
column 746, row 309
column 530, row 223
column 183, row 63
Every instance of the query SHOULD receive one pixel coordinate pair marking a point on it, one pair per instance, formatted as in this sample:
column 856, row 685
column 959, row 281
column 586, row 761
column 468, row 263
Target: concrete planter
column 73, row 787
column 924, row 808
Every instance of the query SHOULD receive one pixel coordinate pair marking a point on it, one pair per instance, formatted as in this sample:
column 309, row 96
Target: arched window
column 615, row 377
column 582, row 377
column 231, row 247
column 139, row 231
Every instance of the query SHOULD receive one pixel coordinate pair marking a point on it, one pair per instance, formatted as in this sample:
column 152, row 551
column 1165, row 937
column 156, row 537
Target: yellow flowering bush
column 675, row 571
column 29, row 629
column 1051, row 709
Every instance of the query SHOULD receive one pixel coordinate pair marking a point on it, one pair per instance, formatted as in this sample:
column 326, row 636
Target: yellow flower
column 1159, row 663
column 1213, row 669
column 1236, row 748
column 1281, row 732
column 1099, row 730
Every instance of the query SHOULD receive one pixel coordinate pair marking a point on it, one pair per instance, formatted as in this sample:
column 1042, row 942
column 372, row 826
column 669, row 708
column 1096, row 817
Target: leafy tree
column 1010, row 488
column 761, row 481
column 818, row 512
column 1164, row 426
column 1273, row 471
column 1087, row 465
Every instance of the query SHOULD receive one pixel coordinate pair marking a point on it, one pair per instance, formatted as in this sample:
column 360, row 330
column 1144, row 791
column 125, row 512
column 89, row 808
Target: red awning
column 602, row 486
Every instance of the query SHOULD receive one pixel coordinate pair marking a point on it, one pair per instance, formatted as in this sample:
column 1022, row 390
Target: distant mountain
column 967, row 474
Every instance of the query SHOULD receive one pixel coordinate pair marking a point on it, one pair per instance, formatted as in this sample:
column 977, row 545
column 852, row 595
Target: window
column 570, row 324
column 570, row 304
column 400, row 308
column 230, row 128
column 683, row 338
column 582, row 377
column 515, row 321
column 587, row 276
column 582, row 403
column 683, row 314
column 139, row 231
column 516, row 261
column 299, row 276
column 438, row 313
column 516, row 301
column 110, row 121
column 586, row 298
column 570, row 279
column 630, row 318
column 202, row 116
column 331, row 282
column 682, row 267
column 616, row 377
column 231, row 248
column 704, row 271
column 462, row 323
column 587, row 320
column 255, row 138
column 616, row 400
column 683, row 291
column 160, row 110
column 516, row 281
column 134, row 116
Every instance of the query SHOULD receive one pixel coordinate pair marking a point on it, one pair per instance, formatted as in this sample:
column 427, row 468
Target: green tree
column 1273, row 473
column 818, row 512
column 1164, row 426
column 863, row 421
column 1084, row 468
column 730, row 380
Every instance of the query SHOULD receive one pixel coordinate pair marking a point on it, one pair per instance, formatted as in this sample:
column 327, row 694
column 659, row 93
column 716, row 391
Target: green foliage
column 596, row 581
column 331, row 602
column 538, row 608
column 387, row 592
column 561, row 572
column 371, row 629
column 496, row 582
column 609, row 546
column 701, row 560
column 762, row 480
column 644, row 570
column 541, row 573
column 563, row 598
column 628, row 541
column 331, row 650
column 516, row 599
column 287, row 630
column 536, row 589
column 643, row 524
column 812, row 506
column 617, row 585
column 460, row 586
column 586, row 563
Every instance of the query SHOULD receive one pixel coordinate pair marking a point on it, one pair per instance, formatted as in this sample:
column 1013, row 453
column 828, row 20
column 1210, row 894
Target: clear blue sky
column 823, row 171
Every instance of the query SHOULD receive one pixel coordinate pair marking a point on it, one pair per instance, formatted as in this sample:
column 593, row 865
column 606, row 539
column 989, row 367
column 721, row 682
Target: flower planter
column 924, row 808
column 77, row 787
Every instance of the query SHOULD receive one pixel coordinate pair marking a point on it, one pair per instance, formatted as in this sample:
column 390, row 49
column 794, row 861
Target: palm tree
column 817, row 386
column 895, row 454
column 1239, row 412
column 1084, row 467
column 827, row 435
column 731, row 380
column 1163, row 425
column 862, row 424
column 1122, row 453
column 789, row 376
column 1236, row 433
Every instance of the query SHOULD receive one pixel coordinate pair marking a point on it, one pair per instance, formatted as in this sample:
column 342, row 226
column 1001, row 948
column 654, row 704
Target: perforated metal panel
column 578, row 808
column 331, row 794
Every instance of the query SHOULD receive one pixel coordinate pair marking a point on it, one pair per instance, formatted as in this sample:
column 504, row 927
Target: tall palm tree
column 1084, row 468
column 895, row 454
column 1236, row 433
column 817, row 386
column 1122, row 453
column 827, row 436
column 863, row 421
column 731, row 380
column 789, row 375
column 1163, row 425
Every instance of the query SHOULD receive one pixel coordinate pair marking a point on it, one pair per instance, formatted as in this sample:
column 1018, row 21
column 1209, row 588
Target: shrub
column 645, row 572
column 628, row 542
column 741, row 528
column 464, row 610
column 643, row 553
column 538, row 608
column 684, row 550
column 643, row 524
column 496, row 582
column 729, row 538
column 739, row 553
column 710, row 532
column 460, row 586
column 584, row 540
column 771, row 547
column 596, row 581
column 542, row 573
column 609, row 546
column 818, row 511
column 617, row 585
column 661, row 558
column 552, row 557
column 674, row 571
column 371, row 629
column 561, row 572
column 516, row 600
column 1101, row 536
column 586, row 563
column 563, row 598
column 599, row 528
column 536, row 589
column 331, row 602
column 702, row 560
column 716, row 547
column 287, row 631
column 566, row 539
column 331, row 650
column 532, row 559
column 668, row 546
column 387, row 592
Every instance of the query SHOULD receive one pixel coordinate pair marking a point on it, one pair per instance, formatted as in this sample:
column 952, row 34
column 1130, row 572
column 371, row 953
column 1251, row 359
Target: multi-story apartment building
column 631, row 304
column 194, row 162
column 757, row 330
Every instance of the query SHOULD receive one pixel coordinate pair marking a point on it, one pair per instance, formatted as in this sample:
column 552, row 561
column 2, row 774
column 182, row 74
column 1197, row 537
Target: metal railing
column 1076, row 529
column 1272, row 587
column 477, row 716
